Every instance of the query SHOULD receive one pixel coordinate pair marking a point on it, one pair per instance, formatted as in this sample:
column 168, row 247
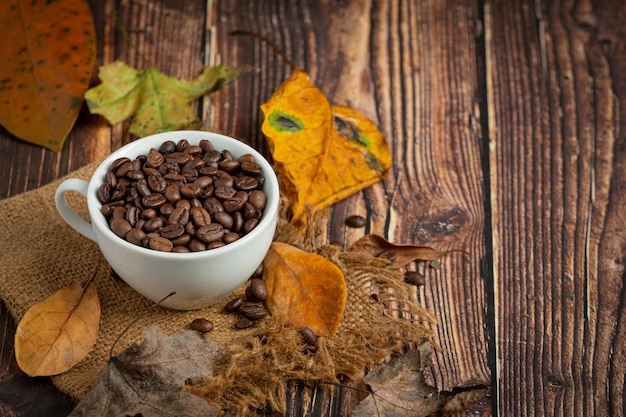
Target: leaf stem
column 146, row 311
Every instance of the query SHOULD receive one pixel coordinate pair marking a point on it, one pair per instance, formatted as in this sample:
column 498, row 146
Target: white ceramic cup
column 197, row 279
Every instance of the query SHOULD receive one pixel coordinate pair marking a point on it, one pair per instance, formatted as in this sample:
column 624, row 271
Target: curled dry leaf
column 323, row 153
column 57, row 333
column 398, row 255
column 307, row 289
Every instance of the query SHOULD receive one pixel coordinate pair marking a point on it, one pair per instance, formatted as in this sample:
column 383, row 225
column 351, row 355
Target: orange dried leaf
column 48, row 50
column 57, row 333
column 307, row 289
column 322, row 153
column 398, row 255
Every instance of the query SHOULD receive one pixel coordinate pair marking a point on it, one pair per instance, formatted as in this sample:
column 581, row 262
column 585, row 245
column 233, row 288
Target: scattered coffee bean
column 193, row 196
column 257, row 290
column 202, row 325
column 252, row 310
column 244, row 323
column 356, row 221
column 308, row 336
column 414, row 278
column 233, row 305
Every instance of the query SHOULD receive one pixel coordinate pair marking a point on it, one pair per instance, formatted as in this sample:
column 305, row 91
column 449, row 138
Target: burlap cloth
column 41, row 254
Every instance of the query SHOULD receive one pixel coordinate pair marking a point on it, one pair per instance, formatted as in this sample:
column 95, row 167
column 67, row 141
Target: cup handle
column 69, row 215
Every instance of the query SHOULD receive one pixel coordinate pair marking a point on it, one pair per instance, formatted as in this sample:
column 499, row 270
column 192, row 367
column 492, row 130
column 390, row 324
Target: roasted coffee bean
column 157, row 183
column 172, row 193
column 210, row 232
column 308, row 336
column 155, row 194
column 224, row 193
column 252, row 311
column 161, row 244
column 233, row 204
column 355, row 221
column 192, row 190
column 149, row 213
column 135, row 174
column 153, row 224
column 182, row 240
column 246, row 183
column 196, row 245
column 136, row 236
column 230, row 237
column 201, row 325
column 200, row 216
column 212, row 205
column 257, row 199
column 233, row 305
column 244, row 323
column 414, row 278
column 249, row 225
column 153, row 200
column 123, row 169
column 120, row 227
column 180, row 249
column 155, row 158
column 193, row 150
column 179, row 215
column 172, row 231
column 250, row 167
column 119, row 192
column 257, row 290
column 215, row 244
column 104, row 193
column 229, row 165
column 133, row 214
column 119, row 212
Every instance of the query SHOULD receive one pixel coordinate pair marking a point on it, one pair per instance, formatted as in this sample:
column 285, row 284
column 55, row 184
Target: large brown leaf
column 399, row 255
column 307, row 289
column 147, row 379
column 48, row 50
column 57, row 333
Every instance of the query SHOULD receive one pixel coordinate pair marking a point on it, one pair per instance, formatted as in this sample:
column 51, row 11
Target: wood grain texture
column 395, row 61
column 556, row 105
column 418, row 70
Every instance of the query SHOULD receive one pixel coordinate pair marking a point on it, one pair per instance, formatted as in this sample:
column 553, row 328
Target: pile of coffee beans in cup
column 183, row 197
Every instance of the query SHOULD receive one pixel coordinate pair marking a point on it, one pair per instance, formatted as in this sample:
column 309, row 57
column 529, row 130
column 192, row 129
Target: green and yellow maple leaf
column 154, row 101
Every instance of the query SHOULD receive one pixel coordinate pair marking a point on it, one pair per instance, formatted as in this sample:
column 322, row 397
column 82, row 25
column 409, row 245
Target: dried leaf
column 307, row 289
column 322, row 153
column 147, row 379
column 398, row 255
column 48, row 50
column 156, row 102
column 399, row 388
column 57, row 333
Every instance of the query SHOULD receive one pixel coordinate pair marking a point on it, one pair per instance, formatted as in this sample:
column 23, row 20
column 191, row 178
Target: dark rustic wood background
column 507, row 122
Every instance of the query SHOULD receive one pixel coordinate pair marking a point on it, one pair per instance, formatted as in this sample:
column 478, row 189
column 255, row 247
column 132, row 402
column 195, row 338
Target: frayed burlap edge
column 383, row 318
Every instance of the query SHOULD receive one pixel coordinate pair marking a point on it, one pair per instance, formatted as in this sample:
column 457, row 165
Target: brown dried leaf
column 399, row 388
column 57, row 333
column 147, row 378
column 307, row 289
column 398, row 255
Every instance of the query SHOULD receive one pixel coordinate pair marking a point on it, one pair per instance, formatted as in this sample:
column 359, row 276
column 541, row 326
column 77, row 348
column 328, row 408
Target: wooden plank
column 556, row 87
column 427, row 108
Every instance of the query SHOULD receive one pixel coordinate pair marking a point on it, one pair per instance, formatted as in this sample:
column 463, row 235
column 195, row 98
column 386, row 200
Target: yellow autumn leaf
column 57, row 333
column 305, row 288
column 323, row 154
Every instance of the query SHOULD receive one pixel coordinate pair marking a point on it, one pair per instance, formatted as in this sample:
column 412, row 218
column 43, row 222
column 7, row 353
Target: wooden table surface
column 507, row 124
